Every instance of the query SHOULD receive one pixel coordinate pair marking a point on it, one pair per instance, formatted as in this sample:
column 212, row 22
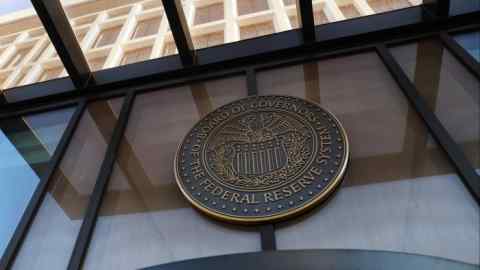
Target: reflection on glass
column 26, row 146
column 471, row 43
column 400, row 193
column 450, row 90
column 143, row 206
column 50, row 239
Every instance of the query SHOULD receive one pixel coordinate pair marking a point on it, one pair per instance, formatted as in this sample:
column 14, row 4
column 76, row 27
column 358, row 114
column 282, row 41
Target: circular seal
column 260, row 159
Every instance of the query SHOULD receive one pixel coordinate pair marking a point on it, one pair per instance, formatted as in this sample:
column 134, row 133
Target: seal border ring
column 320, row 197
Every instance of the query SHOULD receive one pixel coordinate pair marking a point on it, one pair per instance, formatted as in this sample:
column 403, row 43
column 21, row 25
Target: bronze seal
column 262, row 159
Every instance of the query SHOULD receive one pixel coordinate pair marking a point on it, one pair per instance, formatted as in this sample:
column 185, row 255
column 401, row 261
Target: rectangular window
column 147, row 27
column 97, row 63
column 319, row 17
column 136, row 56
column 50, row 74
column 450, row 90
column 107, row 37
column 169, row 49
column 398, row 181
column 386, row 5
column 251, row 6
column 349, row 11
column 143, row 206
column 26, row 146
column 208, row 40
column 51, row 237
column 209, row 13
column 256, row 30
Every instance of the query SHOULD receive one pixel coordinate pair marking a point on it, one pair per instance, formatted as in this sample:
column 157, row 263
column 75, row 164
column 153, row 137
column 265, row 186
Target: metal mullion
column 267, row 235
column 40, row 191
column 306, row 20
column 89, row 221
column 181, row 33
column 464, row 168
column 61, row 35
column 267, row 231
column 461, row 54
column 252, row 89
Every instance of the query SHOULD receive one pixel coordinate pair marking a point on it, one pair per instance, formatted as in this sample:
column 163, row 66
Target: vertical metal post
column 88, row 225
column 181, row 34
column 306, row 20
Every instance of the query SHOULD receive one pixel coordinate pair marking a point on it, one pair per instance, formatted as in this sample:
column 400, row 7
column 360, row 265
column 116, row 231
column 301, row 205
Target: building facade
column 86, row 173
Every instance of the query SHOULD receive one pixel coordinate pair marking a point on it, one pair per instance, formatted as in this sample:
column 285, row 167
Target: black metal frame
column 372, row 33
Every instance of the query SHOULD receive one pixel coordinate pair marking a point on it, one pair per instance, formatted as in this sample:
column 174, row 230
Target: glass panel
column 386, row 5
column 136, row 56
column 450, row 90
column 209, row 13
column 147, row 27
column 400, row 192
column 143, row 205
column 114, row 29
column 26, row 145
column 256, row 30
column 251, row 6
column 23, row 43
column 463, row 6
column 208, row 40
column 471, row 43
column 107, row 36
column 50, row 74
column 50, row 239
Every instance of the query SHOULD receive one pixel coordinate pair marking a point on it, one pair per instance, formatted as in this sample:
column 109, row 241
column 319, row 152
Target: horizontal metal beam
column 404, row 24
column 61, row 34
column 181, row 34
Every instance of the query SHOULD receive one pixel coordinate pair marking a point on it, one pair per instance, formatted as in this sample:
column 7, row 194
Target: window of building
column 288, row 2
column 169, row 49
column 51, row 237
column 251, row 6
column 97, row 63
column 26, row 146
column 147, row 27
column 119, row 12
column 50, row 74
column 450, row 90
column 107, row 36
column 387, row 5
column 136, row 56
column 80, row 35
column 319, row 17
column 209, row 13
column 208, row 40
column 349, row 11
column 256, row 30
column 471, row 43
column 142, row 193
column 18, row 57
column 408, row 207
